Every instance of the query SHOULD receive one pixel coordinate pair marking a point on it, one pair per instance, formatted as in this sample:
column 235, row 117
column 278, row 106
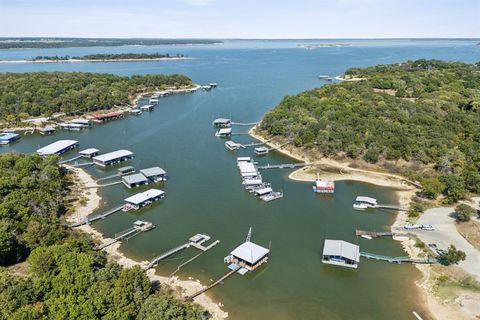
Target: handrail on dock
column 428, row 260
column 218, row 281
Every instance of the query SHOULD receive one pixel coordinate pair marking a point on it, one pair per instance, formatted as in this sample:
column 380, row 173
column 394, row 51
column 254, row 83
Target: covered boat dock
column 155, row 174
column 112, row 157
column 8, row 137
column 134, row 180
column 341, row 253
column 89, row 153
column 142, row 199
column 58, row 147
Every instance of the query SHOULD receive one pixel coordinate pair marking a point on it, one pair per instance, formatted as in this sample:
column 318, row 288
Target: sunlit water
column 204, row 193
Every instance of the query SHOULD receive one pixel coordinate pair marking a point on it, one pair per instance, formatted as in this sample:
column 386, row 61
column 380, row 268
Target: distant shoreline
column 93, row 60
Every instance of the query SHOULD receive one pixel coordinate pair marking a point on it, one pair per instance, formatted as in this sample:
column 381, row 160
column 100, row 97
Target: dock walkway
column 282, row 166
column 96, row 217
column 376, row 234
column 69, row 160
column 218, row 281
column 244, row 123
column 428, row 260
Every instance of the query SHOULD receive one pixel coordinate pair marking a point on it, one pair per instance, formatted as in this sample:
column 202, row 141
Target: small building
column 58, row 147
column 222, row 123
column 142, row 199
column 155, row 174
column 323, row 186
column 134, row 180
column 125, row 170
column 8, row 137
column 232, row 145
column 248, row 256
column 89, row 153
column 148, row 107
column 261, row 151
column 112, row 157
column 224, row 132
column 46, row 130
column 341, row 253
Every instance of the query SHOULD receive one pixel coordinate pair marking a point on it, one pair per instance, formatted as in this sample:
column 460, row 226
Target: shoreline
column 94, row 60
column 186, row 287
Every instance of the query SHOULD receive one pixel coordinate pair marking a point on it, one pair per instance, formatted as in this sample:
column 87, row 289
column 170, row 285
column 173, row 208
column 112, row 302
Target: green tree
column 463, row 213
column 453, row 256
column 432, row 187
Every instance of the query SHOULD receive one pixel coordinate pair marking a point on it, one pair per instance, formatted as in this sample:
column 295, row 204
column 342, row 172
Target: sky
column 241, row 18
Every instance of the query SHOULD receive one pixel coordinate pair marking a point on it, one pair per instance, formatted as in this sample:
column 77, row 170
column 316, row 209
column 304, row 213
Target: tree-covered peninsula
column 424, row 115
column 44, row 93
column 49, row 272
column 111, row 57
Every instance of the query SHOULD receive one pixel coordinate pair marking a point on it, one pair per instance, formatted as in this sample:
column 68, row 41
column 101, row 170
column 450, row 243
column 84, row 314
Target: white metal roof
column 244, row 159
column 263, row 191
column 80, row 121
column 135, row 178
column 152, row 172
column 252, row 182
column 366, row 199
column 113, row 155
column 232, row 143
column 341, row 248
column 144, row 196
column 56, row 147
column 222, row 120
column 70, row 125
column 225, row 131
column 250, row 252
column 88, row 151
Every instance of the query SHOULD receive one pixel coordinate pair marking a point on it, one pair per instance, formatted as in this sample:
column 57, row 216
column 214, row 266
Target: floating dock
column 427, row 260
column 113, row 157
column 138, row 227
column 195, row 241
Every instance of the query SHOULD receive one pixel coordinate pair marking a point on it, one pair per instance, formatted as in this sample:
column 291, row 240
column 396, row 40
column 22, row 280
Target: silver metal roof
column 366, row 199
column 88, row 151
column 341, row 248
column 113, row 155
column 56, row 147
column 250, row 252
column 144, row 196
column 153, row 172
column 135, row 178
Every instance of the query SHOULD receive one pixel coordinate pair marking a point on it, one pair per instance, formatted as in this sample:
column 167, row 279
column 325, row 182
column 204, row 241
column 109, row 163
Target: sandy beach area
column 184, row 287
column 93, row 60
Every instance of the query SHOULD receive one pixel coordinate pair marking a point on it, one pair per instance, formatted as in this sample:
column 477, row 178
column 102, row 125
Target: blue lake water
column 204, row 193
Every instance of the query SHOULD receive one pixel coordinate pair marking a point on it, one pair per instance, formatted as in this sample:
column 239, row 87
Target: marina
column 296, row 224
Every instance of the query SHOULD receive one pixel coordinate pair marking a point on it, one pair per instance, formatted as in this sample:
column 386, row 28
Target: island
column 413, row 126
column 109, row 57
column 311, row 46
column 33, row 94
column 54, row 42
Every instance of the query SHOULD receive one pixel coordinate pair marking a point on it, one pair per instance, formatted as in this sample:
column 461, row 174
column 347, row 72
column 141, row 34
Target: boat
column 323, row 77
column 427, row 227
column 366, row 236
column 362, row 203
column 136, row 112
column 323, row 186
column 260, row 151
column 410, row 226
column 360, row 206
column 272, row 196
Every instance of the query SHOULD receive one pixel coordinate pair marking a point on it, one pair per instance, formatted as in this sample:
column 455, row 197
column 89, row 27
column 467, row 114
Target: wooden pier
column 282, row 166
column 218, row 281
column 195, row 241
column 427, row 260
column 96, row 217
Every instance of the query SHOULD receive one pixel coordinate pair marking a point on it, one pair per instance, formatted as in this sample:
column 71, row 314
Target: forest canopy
column 45, row 93
column 425, row 112
column 112, row 56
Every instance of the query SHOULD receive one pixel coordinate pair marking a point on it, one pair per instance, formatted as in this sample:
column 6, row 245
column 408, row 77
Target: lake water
column 204, row 192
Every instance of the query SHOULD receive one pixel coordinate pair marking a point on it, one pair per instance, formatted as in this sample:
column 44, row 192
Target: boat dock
column 138, row 227
column 195, row 241
column 375, row 234
column 216, row 282
column 427, row 260
column 69, row 160
column 282, row 166
column 390, row 207
column 244, row 123
column 96, row 217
